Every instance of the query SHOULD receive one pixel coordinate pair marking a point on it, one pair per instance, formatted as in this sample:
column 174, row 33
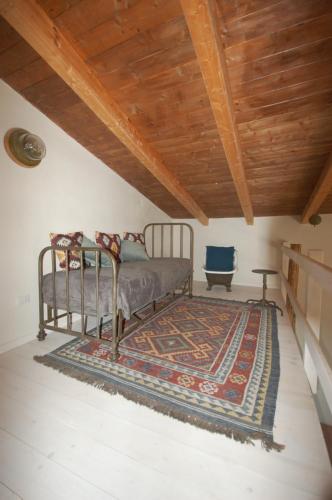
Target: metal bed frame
column 51, row 322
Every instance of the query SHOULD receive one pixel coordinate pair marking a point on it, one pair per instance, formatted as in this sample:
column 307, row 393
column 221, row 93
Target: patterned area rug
column 210, row 362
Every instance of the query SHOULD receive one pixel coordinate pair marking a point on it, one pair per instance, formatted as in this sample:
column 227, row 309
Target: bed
column 118, row 292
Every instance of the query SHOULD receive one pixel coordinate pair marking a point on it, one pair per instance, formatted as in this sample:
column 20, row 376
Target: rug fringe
column 248, row 438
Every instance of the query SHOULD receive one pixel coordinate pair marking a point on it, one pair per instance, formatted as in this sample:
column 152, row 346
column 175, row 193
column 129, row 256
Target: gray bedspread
column 139, row 283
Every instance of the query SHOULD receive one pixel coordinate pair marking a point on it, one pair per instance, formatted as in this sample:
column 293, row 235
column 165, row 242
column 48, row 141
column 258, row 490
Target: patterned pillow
column 67, row 240
column 110, row 242
column 136, row 237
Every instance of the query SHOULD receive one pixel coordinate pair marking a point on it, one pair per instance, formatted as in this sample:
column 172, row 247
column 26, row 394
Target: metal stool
column 263, row 301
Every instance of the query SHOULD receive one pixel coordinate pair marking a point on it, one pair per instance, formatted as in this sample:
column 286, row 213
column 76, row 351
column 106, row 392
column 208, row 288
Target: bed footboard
column 171, row 239
column 53, row 317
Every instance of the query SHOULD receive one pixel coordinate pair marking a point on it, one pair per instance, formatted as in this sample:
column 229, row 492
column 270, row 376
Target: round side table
column 263, row 301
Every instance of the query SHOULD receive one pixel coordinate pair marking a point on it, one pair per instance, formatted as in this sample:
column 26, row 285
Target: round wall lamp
column 315, row 220
column 26, row 149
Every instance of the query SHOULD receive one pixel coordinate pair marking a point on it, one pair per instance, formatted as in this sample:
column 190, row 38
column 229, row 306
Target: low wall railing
column 322, row 274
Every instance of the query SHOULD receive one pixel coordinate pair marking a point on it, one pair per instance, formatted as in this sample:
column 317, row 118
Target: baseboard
column 255, row 285
column 252, row 285
column 12, row 344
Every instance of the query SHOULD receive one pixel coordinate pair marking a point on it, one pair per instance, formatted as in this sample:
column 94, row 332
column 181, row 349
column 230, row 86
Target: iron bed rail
column 172, row 243
column 188, row 284
column 53, row 314
column 171, row 225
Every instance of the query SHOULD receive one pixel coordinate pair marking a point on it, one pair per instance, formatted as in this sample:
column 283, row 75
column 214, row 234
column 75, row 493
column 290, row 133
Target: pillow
column 67, row 240
column 90, row 257
column 110, row 242
column 136, row 237
column 132, row 251
column 219, row 258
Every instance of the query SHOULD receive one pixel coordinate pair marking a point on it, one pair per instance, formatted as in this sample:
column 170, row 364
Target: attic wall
column 258, row 245
column 70, row 190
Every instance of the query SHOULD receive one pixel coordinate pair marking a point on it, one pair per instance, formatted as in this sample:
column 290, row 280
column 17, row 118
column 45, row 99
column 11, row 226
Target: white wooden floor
column 60, row 438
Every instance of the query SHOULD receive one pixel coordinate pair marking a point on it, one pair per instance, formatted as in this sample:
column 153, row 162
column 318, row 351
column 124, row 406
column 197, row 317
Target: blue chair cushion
column 219, row 258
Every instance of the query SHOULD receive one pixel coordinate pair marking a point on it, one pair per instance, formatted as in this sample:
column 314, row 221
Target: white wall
column 259, row 245
column 70, row 190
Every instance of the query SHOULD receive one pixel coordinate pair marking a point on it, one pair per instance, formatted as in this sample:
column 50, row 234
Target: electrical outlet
column 22, row 300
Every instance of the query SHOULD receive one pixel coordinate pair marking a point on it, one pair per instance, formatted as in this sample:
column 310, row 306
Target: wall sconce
column 315, row 220
column 26, row 149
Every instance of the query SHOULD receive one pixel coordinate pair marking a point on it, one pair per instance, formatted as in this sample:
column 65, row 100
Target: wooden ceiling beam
column 322, row 189
column 60, row 52
column 201, row 18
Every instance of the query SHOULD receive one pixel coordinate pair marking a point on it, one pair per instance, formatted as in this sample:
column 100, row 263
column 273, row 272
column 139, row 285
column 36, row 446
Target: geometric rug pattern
column 211, row 362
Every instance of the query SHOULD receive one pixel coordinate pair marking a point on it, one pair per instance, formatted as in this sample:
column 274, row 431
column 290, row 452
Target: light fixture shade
column 24, row 148
column 315, row 220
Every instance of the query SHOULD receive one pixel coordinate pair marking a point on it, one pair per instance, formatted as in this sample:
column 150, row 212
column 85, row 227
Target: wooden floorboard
column 60, row 438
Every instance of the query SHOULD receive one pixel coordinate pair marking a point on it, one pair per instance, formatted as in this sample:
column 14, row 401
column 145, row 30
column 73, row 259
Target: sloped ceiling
column 278, row 55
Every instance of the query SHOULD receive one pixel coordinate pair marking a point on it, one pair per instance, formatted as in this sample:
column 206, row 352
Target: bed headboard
column 169, row 239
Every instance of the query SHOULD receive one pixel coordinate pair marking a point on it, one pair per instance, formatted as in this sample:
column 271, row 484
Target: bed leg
column 117, row 330
column 190, row 286
column 49, row 313
column 41, row 334
column 114, row 357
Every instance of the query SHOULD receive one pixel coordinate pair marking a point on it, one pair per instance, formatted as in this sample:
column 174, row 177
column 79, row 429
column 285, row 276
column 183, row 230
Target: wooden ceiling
column 277, row 57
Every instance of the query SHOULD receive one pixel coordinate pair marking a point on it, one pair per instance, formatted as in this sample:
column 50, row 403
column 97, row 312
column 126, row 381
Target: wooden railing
column 322, row 274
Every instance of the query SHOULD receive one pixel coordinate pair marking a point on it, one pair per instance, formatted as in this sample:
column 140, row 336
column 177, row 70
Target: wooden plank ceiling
column 279, row 62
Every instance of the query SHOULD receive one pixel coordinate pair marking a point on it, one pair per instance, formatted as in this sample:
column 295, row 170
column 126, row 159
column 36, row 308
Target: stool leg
column 264, row 287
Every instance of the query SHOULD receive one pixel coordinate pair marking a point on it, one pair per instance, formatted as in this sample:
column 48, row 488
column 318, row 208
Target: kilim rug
column 210, row 362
